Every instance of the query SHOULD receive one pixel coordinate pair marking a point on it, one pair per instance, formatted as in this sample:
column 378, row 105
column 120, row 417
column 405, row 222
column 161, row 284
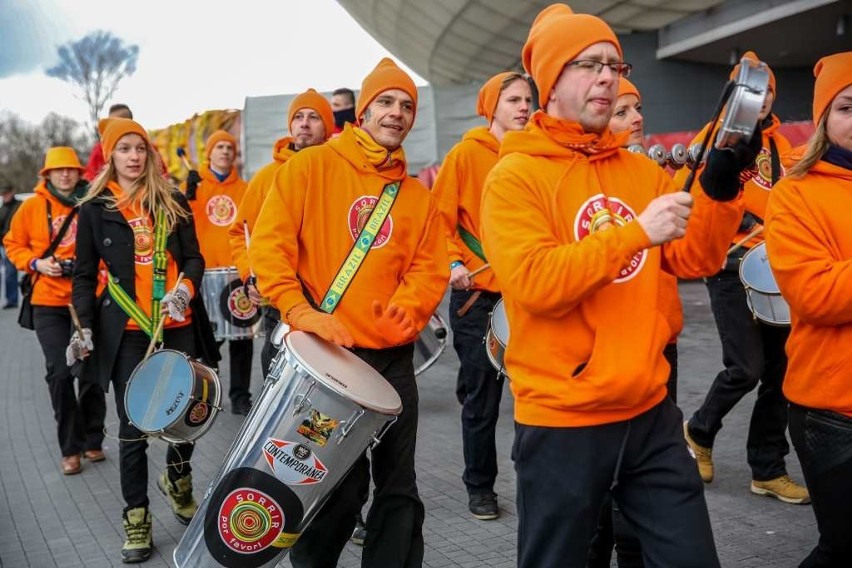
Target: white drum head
column 500, row 323
column 342, row 371
column 756, row 272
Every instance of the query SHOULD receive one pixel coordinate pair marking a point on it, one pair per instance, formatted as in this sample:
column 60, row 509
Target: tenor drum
column 762, row 292
column 497, row 336
column 312, row 421
column 430, row 344
column 172, row 397
column 232, row 314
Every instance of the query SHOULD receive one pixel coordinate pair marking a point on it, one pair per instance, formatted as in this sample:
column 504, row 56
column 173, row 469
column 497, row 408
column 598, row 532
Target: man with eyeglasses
column 577, row 230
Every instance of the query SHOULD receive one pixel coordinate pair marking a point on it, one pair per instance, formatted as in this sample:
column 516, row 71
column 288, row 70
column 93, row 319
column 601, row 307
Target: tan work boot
column 137, row 527
column 703, row 456
column 782, row 488
column 179, row 496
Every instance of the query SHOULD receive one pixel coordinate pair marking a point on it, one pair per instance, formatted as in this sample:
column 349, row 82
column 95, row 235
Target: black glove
column 192, row 181
column 721, row 177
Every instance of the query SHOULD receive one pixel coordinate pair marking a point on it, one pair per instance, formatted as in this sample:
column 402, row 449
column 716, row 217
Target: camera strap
column 54, row 243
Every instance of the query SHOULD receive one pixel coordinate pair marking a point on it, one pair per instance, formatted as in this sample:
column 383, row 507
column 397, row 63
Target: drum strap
column 472, row 243
column 775, row 161
column 123, row 299
column 360, row 248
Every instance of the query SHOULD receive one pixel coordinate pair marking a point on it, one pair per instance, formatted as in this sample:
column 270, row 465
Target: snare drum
column 430, row 344
column 497, row 336
column 762, row 292
column 317, row 414
column 232, row 314
column 172, row 397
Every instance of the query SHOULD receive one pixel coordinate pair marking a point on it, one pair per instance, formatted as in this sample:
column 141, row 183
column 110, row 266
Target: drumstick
column 77, row 325
column 482, row 268
column 248, row 241
column 161, row 322
column 746, row 239
column 182, row 155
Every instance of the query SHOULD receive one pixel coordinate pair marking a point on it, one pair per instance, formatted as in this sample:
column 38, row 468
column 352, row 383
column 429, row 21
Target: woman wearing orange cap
column 809, row 246
column 505, row 101
column 41, row 241
column 129, row 209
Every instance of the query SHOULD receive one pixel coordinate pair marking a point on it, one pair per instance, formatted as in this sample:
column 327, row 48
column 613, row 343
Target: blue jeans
column 10, row 279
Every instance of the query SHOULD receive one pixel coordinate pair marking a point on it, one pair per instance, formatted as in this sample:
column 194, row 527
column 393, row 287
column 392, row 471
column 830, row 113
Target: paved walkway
column 49, row 520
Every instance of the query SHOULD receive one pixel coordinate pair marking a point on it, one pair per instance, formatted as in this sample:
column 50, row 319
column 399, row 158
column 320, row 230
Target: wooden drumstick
column 746, row 239
column 77, row 325
column 479, row 270
column 182, row 155
column 161, row 323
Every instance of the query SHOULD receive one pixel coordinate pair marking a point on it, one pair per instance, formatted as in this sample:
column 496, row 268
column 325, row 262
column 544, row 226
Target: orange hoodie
column 757, row 180
column 584, row 301
column 214, row 210
column 250, row 205
column 29, row 237
column 809, row 246
column 458, row 191
column 316, row 207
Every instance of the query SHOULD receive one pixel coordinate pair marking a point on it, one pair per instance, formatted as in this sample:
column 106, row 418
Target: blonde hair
column 150, row 193
column 817, row 145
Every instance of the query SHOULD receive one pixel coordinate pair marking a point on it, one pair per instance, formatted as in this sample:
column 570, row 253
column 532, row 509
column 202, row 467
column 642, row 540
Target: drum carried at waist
column 320, row 409
column 497, row 336
column 231, row 313
column 762, row 292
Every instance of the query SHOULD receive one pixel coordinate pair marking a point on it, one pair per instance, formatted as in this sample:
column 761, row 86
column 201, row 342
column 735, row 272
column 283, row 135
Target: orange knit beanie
column 387, row 75
column 215, row 138
column 112, row 129
column 314, row 101
column 833, row 74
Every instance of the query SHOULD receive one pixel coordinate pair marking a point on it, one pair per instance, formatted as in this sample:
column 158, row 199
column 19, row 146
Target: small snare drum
column 497, row 336
column 762, row 292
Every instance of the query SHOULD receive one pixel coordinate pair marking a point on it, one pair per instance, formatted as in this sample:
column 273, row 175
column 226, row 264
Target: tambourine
column 744, row 106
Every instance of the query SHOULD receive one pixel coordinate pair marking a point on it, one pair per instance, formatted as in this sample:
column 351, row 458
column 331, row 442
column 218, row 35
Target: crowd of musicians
column 543, row 209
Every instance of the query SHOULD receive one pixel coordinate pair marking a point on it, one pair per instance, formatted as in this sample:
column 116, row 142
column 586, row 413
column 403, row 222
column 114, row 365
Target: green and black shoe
column 139, row 543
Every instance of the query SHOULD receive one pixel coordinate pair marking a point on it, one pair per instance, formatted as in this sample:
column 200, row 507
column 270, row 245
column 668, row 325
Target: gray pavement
column 47, row 519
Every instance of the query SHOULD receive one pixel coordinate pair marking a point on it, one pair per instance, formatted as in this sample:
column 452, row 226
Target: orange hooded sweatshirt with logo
column 582, row 293
column 809, row 246
column 317, row 204
column 250, row 205
column 214, row 210
column 757, row 180
column 458, row 191
column 29, row 236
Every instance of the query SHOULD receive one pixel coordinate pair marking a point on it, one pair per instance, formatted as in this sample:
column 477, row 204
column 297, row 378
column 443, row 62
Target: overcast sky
column 194, row 55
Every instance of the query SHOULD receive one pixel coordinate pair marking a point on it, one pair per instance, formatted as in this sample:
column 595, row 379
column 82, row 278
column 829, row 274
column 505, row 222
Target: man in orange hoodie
column 504, row 101
column 752, row 351
column 310, row 122
column 317, row 207
column 577, row 230
column 214, row 201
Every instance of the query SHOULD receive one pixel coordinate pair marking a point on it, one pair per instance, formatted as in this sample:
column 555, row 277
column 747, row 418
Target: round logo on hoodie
column 600, row 213
column 221, row 210
column 761, row 172
column 70, row 236
column 143, row 241
column 359, row 214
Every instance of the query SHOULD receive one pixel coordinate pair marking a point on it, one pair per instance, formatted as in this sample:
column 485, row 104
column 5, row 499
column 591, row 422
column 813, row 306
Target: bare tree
column 95, row 64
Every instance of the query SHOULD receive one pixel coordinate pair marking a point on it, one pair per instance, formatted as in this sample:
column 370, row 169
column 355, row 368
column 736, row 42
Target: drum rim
column 748, row 285
column 292, row 358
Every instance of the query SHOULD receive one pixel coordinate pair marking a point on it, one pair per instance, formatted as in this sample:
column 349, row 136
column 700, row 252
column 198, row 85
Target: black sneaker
column 483, row 506
column 360, row 532
column 241, row 407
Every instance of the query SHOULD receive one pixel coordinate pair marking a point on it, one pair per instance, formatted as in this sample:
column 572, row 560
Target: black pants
column 395, row 521
column 271, row 317
column 823, row 442
column 563, row 475
column 479, row 388
column 752, row 353
column 79, row 421
column 133, row 445
column 613, row 531
column 240, row 352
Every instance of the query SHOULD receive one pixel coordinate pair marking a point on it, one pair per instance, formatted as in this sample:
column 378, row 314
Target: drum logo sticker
column 250, row 521
column 239, row 304
column 198, row 414
column 143, row 241
column 317, row 427
column 761, row 172
column 221, row 210
column 70, row 236
column 293, row 463
column 600, row 213
column 359, row 214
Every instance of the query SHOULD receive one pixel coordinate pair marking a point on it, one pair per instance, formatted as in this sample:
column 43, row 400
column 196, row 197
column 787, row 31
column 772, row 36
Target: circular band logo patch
column 236, row 306
column 600, row 213
column 761, row 172
column 70, row 236
column 143, row 241
column 221, row 210
column 251, row 520
column 359, row 213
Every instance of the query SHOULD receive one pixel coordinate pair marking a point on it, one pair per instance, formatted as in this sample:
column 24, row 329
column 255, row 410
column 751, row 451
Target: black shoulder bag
column 25, row 316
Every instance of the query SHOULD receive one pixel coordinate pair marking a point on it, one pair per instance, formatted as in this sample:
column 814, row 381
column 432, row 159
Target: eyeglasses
column 588, row 65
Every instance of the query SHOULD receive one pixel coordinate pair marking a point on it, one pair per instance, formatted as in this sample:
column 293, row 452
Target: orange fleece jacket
column 458, row 191
column 250, row 205
column 809, row 245
column 757, row 180
column 583, row 304
column 143, row 258
column 214, row 210
column 28, row 238
column 317, row 204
